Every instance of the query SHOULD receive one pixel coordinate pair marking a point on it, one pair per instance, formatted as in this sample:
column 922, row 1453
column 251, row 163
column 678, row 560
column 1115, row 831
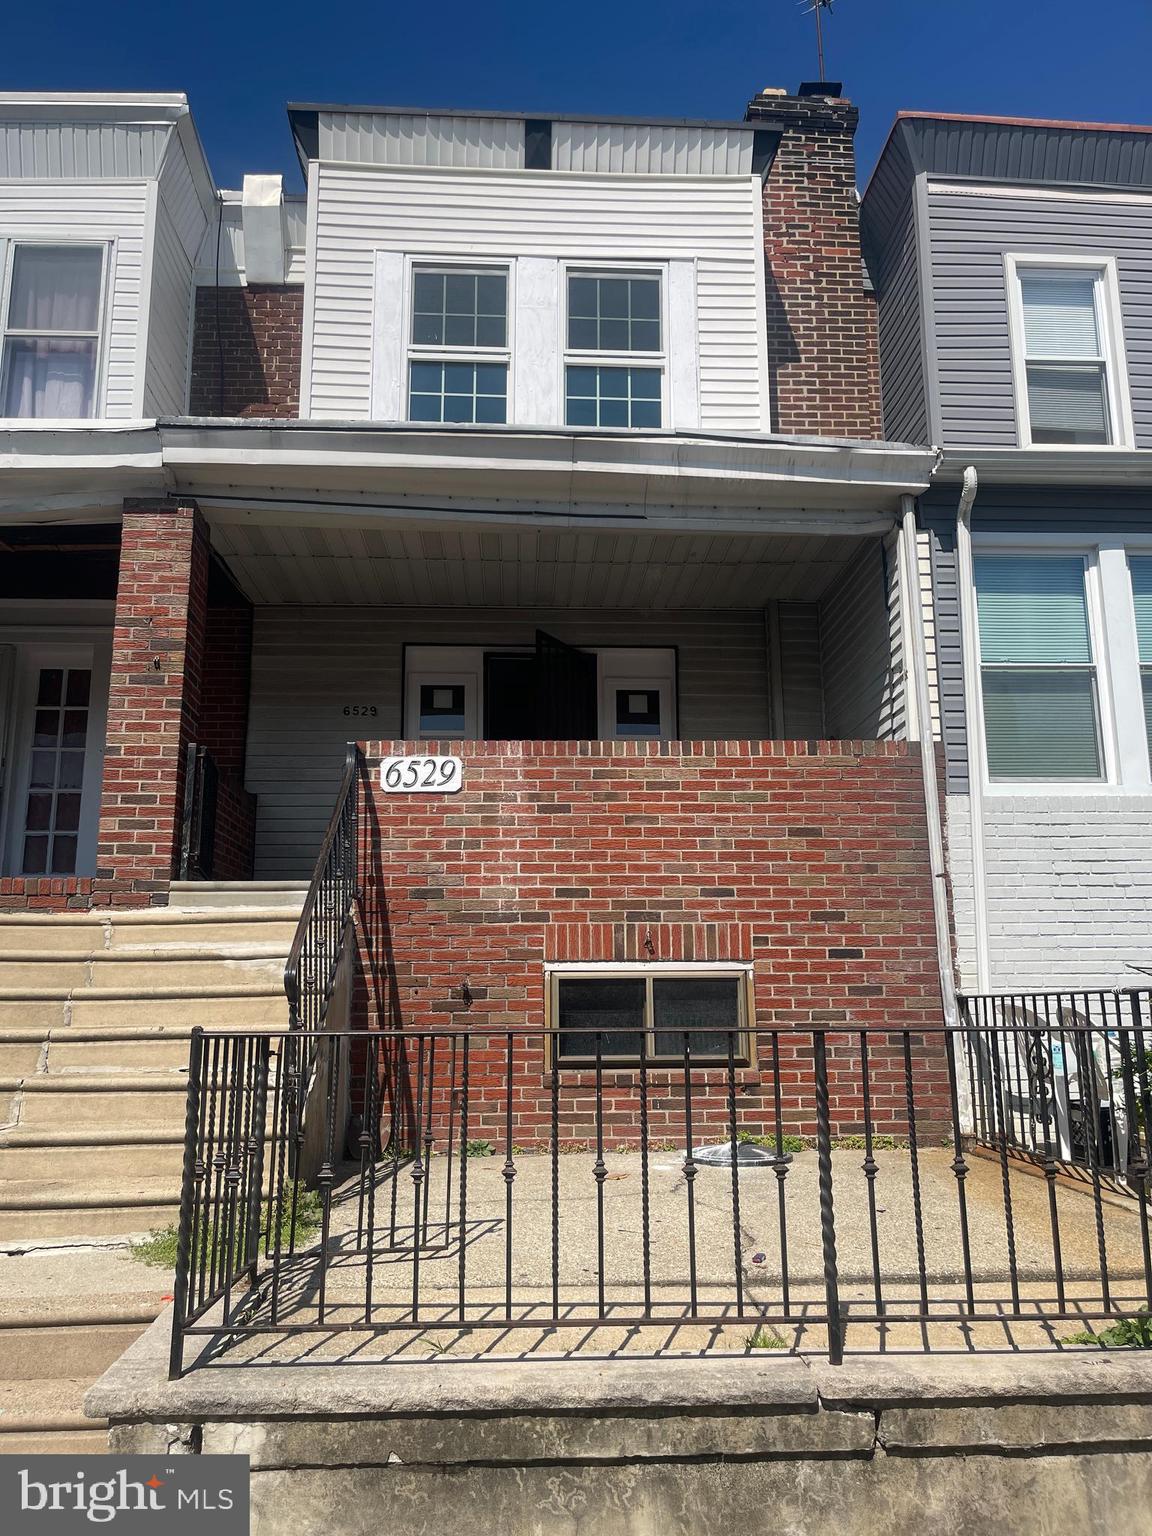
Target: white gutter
column 921, row 727
column 970, row 652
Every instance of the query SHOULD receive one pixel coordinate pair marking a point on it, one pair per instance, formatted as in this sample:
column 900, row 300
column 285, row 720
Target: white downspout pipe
column 921, row 724
column 973, row 731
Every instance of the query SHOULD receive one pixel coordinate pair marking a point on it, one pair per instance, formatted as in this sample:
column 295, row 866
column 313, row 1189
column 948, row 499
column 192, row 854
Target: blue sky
column 240, row 63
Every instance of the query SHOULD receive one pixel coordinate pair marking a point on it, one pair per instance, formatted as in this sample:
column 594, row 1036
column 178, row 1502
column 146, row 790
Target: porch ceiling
column 411, row 567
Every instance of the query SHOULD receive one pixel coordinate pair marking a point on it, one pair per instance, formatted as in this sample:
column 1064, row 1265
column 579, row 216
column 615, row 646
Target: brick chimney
column 823, row 355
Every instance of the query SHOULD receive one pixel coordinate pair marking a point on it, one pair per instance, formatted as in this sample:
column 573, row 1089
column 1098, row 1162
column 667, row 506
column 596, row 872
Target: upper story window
column 458, row 345
column 1071, row 389
column 52, row 331
column 614, row 320
column 1037, row 668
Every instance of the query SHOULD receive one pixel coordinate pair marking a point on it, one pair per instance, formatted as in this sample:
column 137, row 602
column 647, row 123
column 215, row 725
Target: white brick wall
column 1069, row 881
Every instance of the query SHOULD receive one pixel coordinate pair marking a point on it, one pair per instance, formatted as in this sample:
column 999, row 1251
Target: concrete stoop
column 96, row 1011
column 660, row 1447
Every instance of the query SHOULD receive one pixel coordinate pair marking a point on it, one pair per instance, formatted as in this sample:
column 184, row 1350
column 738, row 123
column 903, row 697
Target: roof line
column 1027, row 122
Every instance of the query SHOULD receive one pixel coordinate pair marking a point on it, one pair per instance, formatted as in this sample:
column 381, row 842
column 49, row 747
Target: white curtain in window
column 55, row 292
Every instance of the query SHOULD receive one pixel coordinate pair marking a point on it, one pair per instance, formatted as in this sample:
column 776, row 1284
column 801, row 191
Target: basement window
column 663, row 1015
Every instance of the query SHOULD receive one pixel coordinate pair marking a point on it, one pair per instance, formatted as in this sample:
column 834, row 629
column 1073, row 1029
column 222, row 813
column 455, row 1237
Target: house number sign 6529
column 421, row 775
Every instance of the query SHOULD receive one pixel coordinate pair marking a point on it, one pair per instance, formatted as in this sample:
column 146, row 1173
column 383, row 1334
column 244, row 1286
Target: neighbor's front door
column 53, row 763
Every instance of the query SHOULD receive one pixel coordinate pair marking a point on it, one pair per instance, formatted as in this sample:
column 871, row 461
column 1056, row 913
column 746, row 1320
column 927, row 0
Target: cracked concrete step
column 73, row 1049
column 168, row 965
column 83, row 931
column 39, row 1208
column 239, row 1005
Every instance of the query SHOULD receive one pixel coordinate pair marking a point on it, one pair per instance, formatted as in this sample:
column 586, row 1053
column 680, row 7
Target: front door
column 53, row 768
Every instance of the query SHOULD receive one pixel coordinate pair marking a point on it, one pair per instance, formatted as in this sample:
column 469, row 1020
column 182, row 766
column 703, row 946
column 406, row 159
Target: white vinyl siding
column 181, row 226
column 1037, row 668
column 367, row 221
column 94, row 212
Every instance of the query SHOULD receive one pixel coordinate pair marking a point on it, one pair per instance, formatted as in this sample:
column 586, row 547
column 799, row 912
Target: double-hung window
column 614, row 362
column 1071, row 386
column 1140, row 567
column 458, row 345
column 1037, row 668
column 52, row 328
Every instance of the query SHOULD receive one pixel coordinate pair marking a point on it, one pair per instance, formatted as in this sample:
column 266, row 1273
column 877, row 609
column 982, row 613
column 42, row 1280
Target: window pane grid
column 59, row 739
column 612, row 397
column 617, row 313
column 458, row 392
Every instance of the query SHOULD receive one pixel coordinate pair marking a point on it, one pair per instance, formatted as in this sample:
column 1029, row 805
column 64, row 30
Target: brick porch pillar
column 153, row 701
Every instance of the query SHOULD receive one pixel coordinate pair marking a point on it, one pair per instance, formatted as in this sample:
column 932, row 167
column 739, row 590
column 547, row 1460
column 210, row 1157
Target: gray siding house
column 1013, row 265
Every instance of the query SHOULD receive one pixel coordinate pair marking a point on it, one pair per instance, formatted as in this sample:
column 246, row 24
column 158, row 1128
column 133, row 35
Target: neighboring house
column 555, row 438
column 1013, row 266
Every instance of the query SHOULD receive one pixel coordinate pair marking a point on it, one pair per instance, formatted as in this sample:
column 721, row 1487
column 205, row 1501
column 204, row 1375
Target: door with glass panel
column 54, row 785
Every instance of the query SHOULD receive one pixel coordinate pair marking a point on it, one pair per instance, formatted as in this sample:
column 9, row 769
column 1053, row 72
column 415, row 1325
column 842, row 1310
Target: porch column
column 153, row 700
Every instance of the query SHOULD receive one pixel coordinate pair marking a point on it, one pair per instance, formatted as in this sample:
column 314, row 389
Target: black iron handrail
column 313, row 960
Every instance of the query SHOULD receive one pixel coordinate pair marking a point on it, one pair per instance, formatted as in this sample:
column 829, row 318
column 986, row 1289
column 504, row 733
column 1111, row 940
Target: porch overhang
column 339, row 471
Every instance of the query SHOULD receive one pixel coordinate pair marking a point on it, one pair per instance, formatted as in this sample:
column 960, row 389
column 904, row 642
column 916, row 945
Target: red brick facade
column 823, row 348
column 44, row 893
column 154, row 698
column 809, row 860
column 246, row 347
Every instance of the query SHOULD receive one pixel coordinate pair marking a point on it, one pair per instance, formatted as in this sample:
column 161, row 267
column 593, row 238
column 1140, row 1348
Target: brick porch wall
column 808, row 859
column 153, row 700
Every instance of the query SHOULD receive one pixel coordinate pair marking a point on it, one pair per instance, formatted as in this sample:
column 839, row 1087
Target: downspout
column 923, row 726
column 970, row 653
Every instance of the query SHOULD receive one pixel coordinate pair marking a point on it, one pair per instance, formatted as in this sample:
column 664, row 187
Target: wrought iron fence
column 822, row 1189
column 310, row 970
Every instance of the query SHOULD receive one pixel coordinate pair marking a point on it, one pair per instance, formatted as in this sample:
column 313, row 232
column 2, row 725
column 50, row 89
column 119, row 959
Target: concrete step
column 69, row 1340
column 86, row 931
column 200, row 895
column 237, row 1005
column 46, row 1100
column 39, row 1208
column 24, row 1052
column 47, row 1414
column 102, row 1155
column 131, row 969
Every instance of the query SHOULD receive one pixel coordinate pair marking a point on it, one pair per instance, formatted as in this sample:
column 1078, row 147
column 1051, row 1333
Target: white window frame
column 580, row 358
column 1124, row 748
column 412, row 353
column 641, row 668
column 1110, row 325
column 54, row 241
column 443, row 666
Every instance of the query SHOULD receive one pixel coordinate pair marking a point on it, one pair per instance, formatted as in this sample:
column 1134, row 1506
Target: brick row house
column 553, row 446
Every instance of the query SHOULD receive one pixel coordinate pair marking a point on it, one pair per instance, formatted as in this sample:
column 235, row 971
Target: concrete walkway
column 394, row 1278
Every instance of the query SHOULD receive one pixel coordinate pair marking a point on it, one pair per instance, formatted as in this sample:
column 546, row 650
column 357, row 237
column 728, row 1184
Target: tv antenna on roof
column 814, row 7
